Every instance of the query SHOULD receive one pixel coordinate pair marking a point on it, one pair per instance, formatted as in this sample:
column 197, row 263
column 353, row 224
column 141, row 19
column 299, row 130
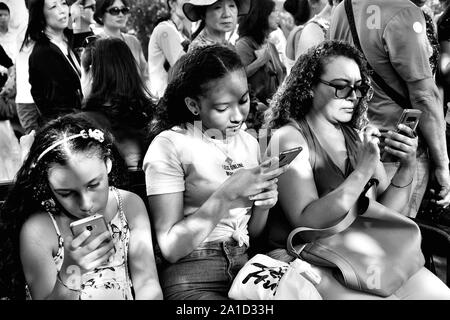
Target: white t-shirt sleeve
column 170, row 43
column 163, row 170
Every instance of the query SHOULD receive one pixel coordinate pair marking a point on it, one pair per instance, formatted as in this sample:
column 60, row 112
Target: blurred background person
column 316, row 29
column 7, row 38
column 278, row 36
column 54, row 70
column 117, row 99
column 167, row 43
column 302, row 11
column 112, row 15
column 265, row 71
column 82, row 15
column 217, row 19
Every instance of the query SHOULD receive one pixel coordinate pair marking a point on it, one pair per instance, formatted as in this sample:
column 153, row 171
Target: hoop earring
column 195, row 113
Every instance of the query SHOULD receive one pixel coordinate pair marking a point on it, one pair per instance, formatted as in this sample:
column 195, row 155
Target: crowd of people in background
column 224, row 87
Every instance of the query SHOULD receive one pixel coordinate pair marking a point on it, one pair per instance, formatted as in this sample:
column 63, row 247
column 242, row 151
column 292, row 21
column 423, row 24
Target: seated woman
column 322, row 107
column 66, row 178
column 116, row 97
column 207, row 190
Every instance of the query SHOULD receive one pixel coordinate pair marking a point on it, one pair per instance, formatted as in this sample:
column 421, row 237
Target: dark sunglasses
column 344, row 91
column 115, row 11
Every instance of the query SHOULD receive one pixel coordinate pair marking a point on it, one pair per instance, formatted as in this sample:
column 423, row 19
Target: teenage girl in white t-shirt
column 207, row 191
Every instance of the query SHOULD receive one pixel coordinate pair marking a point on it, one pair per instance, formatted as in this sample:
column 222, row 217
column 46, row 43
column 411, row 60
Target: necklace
column 228, row 159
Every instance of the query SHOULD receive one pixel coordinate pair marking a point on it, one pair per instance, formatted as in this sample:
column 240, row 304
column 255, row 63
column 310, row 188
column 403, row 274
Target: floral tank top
column 110, row 281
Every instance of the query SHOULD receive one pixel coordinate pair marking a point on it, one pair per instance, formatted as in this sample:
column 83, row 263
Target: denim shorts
column 206, row 273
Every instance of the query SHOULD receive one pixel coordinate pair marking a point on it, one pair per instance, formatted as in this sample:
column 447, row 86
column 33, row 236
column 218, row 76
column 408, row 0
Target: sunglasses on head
column 115, row 11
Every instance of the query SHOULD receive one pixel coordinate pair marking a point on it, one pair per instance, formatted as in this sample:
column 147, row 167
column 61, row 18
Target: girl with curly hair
column 322, row 108
column 66, row 178
column 208, row 192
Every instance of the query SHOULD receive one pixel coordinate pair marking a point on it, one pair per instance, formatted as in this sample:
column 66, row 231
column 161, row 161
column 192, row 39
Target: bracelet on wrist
column 58, row 279
column 401, row 187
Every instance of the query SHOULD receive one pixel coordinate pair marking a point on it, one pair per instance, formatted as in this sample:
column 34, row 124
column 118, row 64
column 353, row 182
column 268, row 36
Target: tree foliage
column 143, row 17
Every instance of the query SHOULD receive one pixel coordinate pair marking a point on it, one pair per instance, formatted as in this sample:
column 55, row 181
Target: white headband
column 94, row 134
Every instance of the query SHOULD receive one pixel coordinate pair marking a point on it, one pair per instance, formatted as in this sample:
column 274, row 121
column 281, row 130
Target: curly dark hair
column 31, row 190
column 190, row 75
column 293, row 100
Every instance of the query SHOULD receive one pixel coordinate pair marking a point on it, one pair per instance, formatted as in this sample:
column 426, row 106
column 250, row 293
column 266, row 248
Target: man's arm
column 407, row 45
column 424, row 95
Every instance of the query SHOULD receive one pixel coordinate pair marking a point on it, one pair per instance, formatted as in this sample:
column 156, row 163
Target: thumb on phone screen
column 269, row 164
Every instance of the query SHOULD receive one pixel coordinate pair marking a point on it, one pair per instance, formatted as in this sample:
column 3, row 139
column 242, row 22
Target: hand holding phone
column 95, row 224
column 285, row 158
column 92, row 244
column 410, row 119
column 288, row 156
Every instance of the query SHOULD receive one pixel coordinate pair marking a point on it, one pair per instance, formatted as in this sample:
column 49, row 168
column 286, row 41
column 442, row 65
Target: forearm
column 61, row 291
column 432, row 125
column 257, row 221
column 332, row 208
column 150, row 290
column 397, row 194
column 187, row 234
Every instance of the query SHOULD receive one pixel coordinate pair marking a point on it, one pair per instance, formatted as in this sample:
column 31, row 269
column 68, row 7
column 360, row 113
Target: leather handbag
column 375, row 251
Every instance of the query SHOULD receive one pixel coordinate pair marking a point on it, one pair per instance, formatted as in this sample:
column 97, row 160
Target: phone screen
column 410, row 118
column 95, row 224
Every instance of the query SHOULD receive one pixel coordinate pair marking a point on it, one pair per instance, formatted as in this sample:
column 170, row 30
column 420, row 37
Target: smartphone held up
column 409, row 118
column 95, row 224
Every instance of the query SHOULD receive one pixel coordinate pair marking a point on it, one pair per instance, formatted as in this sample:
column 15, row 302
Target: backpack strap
column 394, row 95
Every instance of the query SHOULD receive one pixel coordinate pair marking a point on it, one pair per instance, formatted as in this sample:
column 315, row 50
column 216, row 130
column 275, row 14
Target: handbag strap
column 394, row 95
column 311, row 234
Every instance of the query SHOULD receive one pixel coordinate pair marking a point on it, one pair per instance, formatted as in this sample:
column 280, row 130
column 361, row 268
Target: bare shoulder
column 133, row 205
column 39, row 229
column 288, row 137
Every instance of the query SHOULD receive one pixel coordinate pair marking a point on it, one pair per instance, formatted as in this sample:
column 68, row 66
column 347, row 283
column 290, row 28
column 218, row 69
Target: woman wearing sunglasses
column 113, row 16
column 322, row 107
column 54, row 71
